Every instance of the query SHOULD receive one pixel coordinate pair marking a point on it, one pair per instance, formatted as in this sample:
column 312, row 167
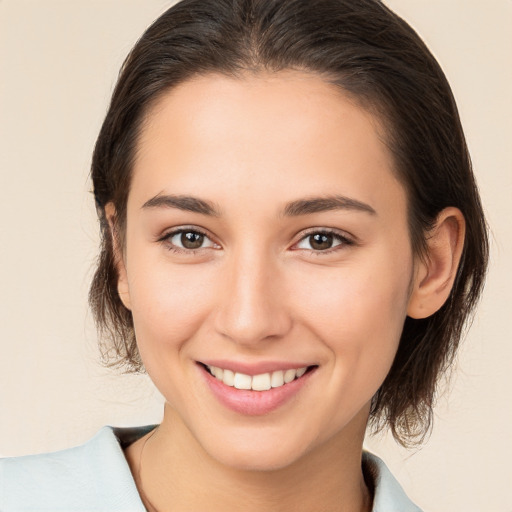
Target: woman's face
column 266, row 232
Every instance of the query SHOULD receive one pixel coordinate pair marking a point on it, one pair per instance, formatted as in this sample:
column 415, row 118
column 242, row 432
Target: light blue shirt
column 96, row 477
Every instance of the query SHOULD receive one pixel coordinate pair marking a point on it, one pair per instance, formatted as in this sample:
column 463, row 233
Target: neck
column 172, row 471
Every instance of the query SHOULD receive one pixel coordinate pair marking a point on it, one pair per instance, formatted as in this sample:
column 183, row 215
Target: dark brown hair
column 374, row 56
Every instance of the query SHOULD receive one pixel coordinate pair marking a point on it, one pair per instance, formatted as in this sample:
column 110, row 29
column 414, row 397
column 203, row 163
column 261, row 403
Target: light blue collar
column 96, row 477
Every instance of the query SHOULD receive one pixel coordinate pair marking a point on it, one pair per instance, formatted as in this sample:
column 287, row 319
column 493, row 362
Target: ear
column 436, row 270
column 122, row 279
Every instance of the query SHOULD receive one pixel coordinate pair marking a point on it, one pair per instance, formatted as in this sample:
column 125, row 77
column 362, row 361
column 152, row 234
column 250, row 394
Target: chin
column 254, row 454
column 256, row 460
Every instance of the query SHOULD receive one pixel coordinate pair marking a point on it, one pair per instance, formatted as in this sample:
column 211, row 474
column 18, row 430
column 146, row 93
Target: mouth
column 257, row 388
column 255, row 393
column 260, row 382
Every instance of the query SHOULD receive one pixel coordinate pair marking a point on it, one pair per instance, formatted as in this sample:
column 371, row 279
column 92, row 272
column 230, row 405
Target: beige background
column 58, row 63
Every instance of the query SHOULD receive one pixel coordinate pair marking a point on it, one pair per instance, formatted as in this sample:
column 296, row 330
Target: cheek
column 358, row 315
column 168, row 304
column 357, row 298
column 358, row 312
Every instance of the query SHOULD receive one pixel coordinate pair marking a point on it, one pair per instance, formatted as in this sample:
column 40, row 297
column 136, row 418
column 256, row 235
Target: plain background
column 58, row 63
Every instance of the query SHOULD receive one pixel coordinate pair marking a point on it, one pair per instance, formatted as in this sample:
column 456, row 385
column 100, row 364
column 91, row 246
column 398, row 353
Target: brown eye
column 321, row 241
column 188, row 240
column 191, row 240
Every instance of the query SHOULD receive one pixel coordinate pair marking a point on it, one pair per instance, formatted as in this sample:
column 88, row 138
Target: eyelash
column 166, row 240
column 343, row 240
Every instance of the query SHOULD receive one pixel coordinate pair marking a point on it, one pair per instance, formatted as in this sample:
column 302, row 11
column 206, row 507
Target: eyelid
column 166, row 237
column 342, row 236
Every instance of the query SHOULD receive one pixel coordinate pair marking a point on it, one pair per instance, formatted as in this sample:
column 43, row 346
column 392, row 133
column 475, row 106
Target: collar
column 96, row 476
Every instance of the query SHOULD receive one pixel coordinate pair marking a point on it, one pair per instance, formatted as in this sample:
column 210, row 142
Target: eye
column 188, row 240
column 319, row 241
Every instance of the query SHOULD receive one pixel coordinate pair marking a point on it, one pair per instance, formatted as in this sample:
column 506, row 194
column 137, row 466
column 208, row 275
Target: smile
column 250, row 390
column 261, row 382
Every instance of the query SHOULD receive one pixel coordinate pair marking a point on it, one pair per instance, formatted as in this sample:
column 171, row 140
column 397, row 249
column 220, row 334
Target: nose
column 252, row 307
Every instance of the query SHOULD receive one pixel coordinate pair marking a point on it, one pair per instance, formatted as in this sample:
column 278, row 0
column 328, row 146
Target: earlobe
column 122, row 278
column 436, row 270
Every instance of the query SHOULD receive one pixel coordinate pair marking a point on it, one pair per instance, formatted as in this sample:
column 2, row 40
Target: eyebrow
column 186, row 203
column 292, row 209
column 324, row 204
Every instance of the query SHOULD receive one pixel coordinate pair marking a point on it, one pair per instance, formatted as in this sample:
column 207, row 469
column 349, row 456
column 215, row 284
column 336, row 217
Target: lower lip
column 254, row 403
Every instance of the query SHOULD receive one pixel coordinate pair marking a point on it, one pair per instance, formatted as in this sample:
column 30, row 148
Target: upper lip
column 255, row 368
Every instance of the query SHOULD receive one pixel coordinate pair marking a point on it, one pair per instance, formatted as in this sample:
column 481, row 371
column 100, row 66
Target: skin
column 258, row 290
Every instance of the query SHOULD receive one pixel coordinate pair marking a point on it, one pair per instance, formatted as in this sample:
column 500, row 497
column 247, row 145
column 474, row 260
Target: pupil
column 321, row 241
column 192, row 240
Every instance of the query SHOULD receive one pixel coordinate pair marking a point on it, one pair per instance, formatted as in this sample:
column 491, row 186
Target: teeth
column 217, row 372
column 289, row 375
column 242, row 381
column 300, row 372
column 277, row 379
column 228, row 378
column 261, row 382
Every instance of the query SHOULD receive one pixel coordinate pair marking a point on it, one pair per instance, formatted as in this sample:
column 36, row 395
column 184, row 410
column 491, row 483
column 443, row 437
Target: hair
column 372, row 55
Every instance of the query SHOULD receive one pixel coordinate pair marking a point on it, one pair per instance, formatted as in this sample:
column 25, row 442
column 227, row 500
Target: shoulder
column 94, row 476
column 388, row 493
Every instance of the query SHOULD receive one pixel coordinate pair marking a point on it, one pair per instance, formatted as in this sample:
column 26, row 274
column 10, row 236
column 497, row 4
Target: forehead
column 284, row 134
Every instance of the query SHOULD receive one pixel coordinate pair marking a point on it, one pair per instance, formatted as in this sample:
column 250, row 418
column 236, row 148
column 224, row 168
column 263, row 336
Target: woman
column 292, row 242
